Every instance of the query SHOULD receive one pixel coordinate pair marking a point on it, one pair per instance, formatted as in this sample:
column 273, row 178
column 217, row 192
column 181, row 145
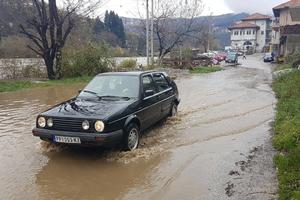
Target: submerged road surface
column 218, row 147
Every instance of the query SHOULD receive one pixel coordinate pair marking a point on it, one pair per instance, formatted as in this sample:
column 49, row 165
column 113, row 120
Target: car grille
column 67, row 124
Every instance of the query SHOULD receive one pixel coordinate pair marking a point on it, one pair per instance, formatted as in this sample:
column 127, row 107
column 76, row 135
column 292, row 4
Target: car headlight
column 41, row 122
column 99, row 126
column 85, row 125
column 50, row 122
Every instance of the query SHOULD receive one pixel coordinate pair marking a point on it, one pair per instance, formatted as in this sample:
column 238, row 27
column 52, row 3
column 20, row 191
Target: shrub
column 187, row 54
column 293, row 59
column 90, row 60
column 128, row 64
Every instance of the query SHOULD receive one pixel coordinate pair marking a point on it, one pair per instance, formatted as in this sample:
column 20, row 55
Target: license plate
column 69, row 140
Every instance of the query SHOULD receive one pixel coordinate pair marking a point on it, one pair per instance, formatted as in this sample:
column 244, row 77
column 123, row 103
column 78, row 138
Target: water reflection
column 81, row 173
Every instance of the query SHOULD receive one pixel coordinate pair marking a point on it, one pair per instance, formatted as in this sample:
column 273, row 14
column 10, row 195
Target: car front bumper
column 103, row 139
column 268, row 59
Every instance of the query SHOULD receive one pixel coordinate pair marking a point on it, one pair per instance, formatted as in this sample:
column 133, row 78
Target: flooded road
column 218, row 147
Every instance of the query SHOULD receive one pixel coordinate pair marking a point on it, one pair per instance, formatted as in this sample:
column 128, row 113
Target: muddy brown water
column 222, row 117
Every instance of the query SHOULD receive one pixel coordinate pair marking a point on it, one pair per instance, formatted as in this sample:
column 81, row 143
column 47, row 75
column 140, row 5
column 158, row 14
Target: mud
column 218, row 147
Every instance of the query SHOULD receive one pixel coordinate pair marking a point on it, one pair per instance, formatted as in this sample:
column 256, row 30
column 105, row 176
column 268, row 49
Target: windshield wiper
column 105, row 96
column 91, row 92
column 111, row 96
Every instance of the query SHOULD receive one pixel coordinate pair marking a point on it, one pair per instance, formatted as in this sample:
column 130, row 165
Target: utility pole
column 147, row 31
column 152, row 33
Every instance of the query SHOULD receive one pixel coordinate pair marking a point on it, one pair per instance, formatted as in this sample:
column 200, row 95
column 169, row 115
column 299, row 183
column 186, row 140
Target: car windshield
column 231, row 55
column 112, row 86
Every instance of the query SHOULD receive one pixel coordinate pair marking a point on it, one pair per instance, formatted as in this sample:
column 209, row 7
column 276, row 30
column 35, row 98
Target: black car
column 232, row 57
column 268, row 57
column 113, row 108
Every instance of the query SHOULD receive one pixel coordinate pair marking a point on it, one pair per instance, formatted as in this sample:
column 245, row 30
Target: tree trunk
column 49, row 66
column 58, row 63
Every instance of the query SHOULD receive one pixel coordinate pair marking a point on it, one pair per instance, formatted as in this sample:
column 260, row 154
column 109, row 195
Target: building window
column 236, row 32
column 241, row 32
column 262, row 32
column 253, row 32
column 248, row 32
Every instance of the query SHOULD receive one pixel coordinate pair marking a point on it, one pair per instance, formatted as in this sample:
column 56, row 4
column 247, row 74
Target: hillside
column 219, row 23
column 12, row 14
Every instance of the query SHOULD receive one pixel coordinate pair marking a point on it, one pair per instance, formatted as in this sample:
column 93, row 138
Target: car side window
column 148, row 84
column 161, row 82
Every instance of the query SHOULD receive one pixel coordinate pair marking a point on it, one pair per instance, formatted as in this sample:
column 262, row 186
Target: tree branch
column 36, row 51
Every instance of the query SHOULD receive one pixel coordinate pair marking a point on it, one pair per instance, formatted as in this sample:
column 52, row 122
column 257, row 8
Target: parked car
column 222, row 56
column 232, row 57
column 240, row 53
column 268, row 57
column 209, row 54
column 113, row 108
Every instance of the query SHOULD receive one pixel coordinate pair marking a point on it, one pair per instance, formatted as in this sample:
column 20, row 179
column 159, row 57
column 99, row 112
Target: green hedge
column 87, row 61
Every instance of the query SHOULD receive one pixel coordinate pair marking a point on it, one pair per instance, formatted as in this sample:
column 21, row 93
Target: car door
column 165, row 94
column 150, row 109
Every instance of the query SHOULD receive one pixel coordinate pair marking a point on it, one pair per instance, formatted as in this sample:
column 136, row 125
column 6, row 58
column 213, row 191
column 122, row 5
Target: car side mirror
column 149, row 93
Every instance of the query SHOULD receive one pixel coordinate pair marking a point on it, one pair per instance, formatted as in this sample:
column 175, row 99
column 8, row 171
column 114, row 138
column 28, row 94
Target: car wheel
column 173, row 111
column 131, row 137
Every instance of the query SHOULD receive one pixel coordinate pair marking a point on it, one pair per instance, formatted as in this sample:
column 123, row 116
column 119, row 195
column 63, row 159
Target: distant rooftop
column 289, row 4
column 242, row 25
column 256, row 16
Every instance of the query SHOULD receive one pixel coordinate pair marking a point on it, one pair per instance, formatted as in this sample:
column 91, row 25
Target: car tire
column 131, row 138
column 174, row 109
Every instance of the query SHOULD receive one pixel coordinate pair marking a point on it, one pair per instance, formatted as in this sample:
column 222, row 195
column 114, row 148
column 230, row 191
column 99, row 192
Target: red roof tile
column 243, row 25
column 256, row 16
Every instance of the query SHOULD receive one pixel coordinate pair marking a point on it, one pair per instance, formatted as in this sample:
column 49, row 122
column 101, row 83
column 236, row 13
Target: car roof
column 131, row 73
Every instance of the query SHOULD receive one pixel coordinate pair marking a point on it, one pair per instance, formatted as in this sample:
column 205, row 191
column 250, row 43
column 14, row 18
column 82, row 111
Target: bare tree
column 49, row 27
column 175, row 21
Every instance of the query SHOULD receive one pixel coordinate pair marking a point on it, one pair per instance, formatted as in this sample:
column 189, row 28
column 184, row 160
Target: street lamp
column 147, row 31
column 152, row 32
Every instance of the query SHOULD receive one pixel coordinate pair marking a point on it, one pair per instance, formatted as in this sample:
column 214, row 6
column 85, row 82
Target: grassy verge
column 9, row 86
column 287, row 138
column 205, row 70
column 282, row 67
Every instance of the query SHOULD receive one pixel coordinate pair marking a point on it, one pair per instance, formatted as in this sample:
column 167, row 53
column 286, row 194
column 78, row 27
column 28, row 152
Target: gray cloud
column 252, row 6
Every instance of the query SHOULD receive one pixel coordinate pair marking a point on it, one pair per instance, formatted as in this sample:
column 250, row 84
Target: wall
column 239, row 40
column 292, row 44
column 261, row 38
column 286, row 19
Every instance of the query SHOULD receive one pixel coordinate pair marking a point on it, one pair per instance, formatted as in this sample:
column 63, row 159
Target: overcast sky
column 251, row 6
column 128, row 8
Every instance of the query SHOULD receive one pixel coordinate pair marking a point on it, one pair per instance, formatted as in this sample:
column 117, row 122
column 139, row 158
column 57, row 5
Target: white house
column 252, row 33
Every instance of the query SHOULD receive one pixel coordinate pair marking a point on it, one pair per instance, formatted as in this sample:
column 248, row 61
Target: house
column 275, row 41
column 288, row 15
column 253, row 33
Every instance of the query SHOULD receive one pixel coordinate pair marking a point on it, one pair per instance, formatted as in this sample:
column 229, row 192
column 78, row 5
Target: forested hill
column 12, row 13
